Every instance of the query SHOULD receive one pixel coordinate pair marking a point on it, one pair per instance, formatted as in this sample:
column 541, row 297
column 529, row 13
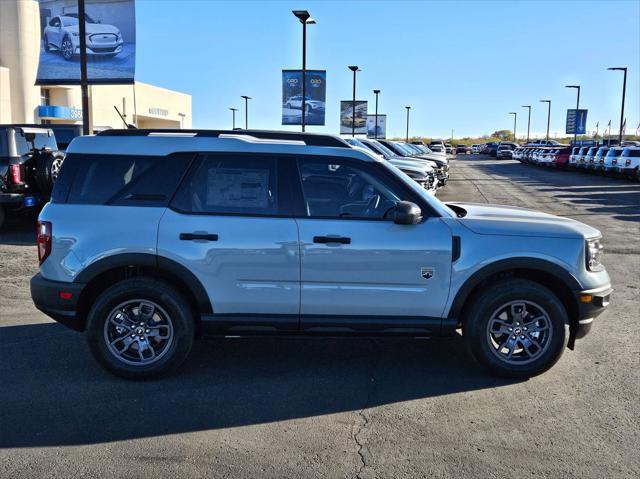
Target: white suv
column 152, row 236
column 63, row 33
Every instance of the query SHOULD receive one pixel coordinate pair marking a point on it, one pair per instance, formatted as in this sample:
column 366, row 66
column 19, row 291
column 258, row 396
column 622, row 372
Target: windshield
column 379, row 148
column 405, row 151
column 72, row 19
column 614, row 152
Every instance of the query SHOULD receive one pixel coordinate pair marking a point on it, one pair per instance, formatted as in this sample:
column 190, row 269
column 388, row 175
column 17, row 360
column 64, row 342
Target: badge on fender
column 427, row 273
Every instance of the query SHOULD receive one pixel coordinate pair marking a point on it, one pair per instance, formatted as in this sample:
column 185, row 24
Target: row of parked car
column 427, row 168
column 621, row 160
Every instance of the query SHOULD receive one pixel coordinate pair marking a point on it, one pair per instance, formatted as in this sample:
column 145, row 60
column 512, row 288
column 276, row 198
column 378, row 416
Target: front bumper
column 46, row 295
column 591, row 304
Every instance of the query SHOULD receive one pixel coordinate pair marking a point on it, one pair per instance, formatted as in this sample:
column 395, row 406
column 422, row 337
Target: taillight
column 614, row 162
column 627, row 162
column 15, row 173
column 44, row 240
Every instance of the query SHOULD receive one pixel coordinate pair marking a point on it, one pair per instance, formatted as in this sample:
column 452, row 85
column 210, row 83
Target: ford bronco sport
column 151, row 237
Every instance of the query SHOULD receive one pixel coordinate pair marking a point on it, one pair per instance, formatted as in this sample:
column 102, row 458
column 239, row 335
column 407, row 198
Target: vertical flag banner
column 382, row 126
column 316, row 92
column 347, row 113
column 110, row 37
column 576, row 122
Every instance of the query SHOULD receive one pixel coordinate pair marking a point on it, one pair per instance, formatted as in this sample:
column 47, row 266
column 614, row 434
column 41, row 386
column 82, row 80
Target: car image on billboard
column 347, row 121
column 315, row 94
column 110, row 42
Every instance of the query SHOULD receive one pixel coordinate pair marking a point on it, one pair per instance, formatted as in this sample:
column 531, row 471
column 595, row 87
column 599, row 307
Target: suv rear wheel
column 140, row 328
column 516, row 328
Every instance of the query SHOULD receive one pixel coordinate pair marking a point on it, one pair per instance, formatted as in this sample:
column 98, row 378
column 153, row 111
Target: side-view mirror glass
column 407, row 213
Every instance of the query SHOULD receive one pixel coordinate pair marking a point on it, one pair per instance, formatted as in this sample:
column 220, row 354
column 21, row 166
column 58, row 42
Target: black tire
column 479, row 339
column 47, row 46
column 67, row 51
column 169, row 301
column 48, row 166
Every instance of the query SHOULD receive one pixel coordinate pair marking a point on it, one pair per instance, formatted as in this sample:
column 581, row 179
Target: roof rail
column 310, row 139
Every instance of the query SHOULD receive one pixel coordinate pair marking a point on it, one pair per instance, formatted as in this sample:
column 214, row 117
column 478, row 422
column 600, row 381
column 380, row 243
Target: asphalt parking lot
column 337, row 407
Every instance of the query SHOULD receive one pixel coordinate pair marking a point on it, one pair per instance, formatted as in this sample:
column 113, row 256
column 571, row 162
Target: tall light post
column 575, row 128
column 624, row 91
column 408, row 109
column 233, row 116
column 548, row 116
column 246, row 111
column 515, row 118
column 529, row 121
column 354, row 69
column 305, row 19
column 375, row 131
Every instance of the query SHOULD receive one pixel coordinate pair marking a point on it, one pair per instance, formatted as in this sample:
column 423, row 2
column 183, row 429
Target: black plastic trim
column 150, row 260
column 504, row 266
column 310, row 139
column 45, row 296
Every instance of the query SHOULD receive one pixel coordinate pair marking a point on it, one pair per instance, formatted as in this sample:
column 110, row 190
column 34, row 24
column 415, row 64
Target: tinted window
column 120, row 180
column 337, row 189
column 631, row 152
column 230, row 185
column 4, row 150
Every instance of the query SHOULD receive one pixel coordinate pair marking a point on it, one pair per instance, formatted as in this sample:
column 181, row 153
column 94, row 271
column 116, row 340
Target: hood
column 93, row 28
column 409, row 163
column 409, row 166
column 514, row 221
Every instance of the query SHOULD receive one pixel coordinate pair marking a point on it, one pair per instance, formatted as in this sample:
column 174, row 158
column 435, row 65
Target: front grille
column 106, row 38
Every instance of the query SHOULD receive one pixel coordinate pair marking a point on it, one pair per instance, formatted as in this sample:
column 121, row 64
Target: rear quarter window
column 119, row 179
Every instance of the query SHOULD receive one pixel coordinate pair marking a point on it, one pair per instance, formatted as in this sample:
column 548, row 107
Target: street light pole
column 84, row 82
column 305, row 18
column 515, row 118
column 575, row 125
column 529, row 121
column 548, row 117
column 246, row 111
column 354, row 69
column 408, row 108
column 375, row 131
column 624, row 91
column 233, row 116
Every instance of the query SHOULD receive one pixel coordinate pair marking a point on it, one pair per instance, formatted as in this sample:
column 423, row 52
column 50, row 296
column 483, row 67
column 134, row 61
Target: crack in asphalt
column 361, row 448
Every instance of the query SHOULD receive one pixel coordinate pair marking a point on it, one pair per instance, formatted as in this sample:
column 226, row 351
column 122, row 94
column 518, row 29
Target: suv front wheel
column 140, row 328
column 516, row 328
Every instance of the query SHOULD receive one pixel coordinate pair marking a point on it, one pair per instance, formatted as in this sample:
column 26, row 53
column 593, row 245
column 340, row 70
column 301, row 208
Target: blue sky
column 461, row 65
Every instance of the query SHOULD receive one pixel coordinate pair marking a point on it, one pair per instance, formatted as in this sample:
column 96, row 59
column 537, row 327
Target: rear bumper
column 47, row 298
column 591, row 304
column 19, row 200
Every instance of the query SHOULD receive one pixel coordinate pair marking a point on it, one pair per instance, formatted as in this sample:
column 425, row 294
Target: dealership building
column 144, row 105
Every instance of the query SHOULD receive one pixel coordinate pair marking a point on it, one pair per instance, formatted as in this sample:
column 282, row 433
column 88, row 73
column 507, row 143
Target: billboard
column 347, row 118
column 316, row 92
column 576, row 122
column 110, row 37
column 382, row 126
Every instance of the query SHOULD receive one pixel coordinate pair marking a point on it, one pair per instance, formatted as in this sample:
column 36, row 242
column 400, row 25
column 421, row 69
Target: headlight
column 594, row 250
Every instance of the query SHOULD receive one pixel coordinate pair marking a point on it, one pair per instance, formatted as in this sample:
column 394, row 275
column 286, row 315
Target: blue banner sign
column 576, row 122
column 314, row 105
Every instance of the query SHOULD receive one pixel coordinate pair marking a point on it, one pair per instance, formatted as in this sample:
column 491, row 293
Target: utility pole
column 529, row 121
column 84, row 82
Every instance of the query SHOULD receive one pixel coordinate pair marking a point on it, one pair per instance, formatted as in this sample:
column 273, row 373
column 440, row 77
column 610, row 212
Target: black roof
column 311, row 139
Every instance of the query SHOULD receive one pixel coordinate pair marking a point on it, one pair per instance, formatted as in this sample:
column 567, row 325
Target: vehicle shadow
column 54, row 394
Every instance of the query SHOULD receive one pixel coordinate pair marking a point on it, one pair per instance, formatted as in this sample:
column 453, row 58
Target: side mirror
column 407, row 213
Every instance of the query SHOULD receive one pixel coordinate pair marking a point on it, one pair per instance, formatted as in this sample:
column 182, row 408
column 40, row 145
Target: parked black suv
column 29, row 164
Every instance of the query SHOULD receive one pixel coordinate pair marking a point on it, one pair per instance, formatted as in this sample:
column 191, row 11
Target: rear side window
column 631, row 152
column 239, row 185
column 120, row 180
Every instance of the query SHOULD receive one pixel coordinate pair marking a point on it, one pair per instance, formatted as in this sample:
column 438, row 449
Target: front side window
column 230, row 185
column 333, row 188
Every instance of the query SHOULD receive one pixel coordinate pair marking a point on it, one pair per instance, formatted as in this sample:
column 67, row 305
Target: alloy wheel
column 138, row 332
column 67, row 49
column 519, row 332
